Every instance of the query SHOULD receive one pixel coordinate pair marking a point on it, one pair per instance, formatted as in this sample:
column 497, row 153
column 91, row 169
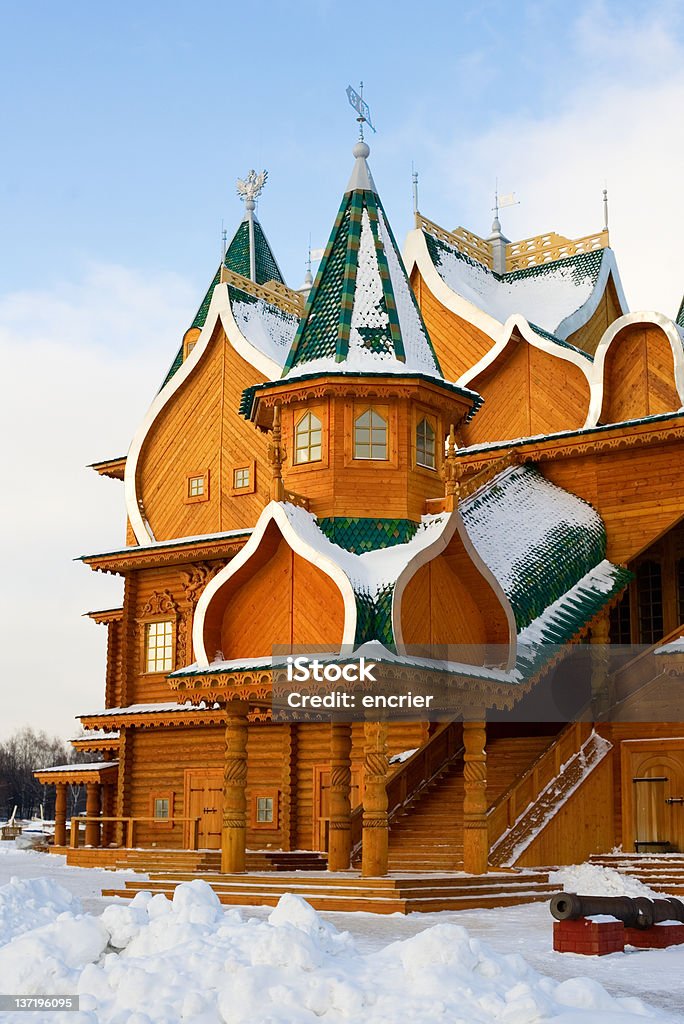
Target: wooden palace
column 475, row 444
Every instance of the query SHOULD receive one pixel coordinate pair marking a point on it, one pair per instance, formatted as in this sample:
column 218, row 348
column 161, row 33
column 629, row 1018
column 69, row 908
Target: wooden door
column 204, row 800
column 654, row 790
column 321, row 810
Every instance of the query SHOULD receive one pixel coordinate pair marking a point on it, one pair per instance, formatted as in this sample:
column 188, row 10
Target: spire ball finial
column 361, row 150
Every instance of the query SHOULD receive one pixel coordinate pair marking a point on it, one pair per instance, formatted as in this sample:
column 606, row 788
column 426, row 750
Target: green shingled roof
column 361, row 311
column 680, row 314
column 237, row 260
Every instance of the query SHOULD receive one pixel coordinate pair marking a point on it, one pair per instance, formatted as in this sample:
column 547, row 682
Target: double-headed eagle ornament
column 250, row 188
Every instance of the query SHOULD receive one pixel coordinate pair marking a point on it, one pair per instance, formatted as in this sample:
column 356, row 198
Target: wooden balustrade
column 531, row 252
column 503, row 814
column 130, row 824
column 273, row 292
column 414, row 774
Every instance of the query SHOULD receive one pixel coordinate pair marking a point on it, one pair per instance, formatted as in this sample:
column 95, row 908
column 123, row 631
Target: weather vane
column 356, row 100
column 251, row 187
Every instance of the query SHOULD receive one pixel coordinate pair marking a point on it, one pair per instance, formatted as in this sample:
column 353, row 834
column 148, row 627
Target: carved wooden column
column 339, row 843
column 600, row 667
column 475, row 837
column 60, row 813
column 375, row 821
column 234, row 832
column 92, row 829
column 276, row 457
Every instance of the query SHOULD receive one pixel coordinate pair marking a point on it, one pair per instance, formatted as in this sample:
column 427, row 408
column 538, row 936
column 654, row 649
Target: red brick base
column 658, row 937
column 592, row 938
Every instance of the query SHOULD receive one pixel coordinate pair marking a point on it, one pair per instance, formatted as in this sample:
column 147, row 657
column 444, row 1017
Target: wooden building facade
column 477, row 446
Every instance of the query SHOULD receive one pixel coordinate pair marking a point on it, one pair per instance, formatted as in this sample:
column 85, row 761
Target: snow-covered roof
column 549, row 295
column 269, row 328
column 96, row 735
column 94, row 766
column 673, row 647
column 172, row 543
column 361, row 314
column 164, row 707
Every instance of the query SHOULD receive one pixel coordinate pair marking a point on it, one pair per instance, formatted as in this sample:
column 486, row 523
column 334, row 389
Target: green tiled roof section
column 175, row 366
column 359, row 535
column 567, row 540
column 318, row 330
column 680, row 314
column 395, row 342
column 201, row 314
column 266, row 267
column 374, row 616
column 247, row 401
column 349, row 277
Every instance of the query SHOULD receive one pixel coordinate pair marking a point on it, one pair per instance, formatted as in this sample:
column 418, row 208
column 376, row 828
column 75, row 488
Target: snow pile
column 27, row 903
column 595, row 880
column 169, row 961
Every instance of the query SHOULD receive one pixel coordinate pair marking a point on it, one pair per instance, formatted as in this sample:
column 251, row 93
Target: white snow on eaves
column 546, row 299
column 529, row 508
column 599, row 580
column 93, row 766
column 268, row 328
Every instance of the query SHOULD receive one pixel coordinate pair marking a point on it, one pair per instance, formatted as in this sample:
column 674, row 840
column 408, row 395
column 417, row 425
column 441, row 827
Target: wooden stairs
column 194, row 862
column 663, row 872
column 428, row 834
column 347, row 891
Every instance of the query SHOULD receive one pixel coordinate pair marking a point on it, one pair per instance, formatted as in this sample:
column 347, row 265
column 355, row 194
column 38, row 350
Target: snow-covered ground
column 156, row 961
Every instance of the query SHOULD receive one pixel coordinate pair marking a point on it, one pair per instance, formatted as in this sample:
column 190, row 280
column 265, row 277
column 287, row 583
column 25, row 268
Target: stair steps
column 662, row 872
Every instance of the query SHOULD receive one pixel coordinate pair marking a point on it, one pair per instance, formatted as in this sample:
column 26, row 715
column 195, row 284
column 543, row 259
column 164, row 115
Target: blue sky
column 124, row 128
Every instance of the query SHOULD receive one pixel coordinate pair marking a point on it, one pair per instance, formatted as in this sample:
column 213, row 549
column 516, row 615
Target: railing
column 465, row 241
column 274, row 292
column 417, row 772
column 640, row 670
column 505, row 811
column 130, row 824
column 531, row 252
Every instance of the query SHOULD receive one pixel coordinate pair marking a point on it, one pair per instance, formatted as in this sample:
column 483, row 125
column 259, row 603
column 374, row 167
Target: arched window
column 308, row 434
column 425, row 445
column 370, row 436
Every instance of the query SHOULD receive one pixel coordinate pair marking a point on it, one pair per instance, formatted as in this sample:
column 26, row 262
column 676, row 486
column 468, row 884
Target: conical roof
column 361, row 315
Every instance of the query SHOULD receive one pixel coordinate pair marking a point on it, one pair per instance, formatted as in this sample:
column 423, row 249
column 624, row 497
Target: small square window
column 264, row 809
column 161, row 808
column 241, row 478
column 195, row 486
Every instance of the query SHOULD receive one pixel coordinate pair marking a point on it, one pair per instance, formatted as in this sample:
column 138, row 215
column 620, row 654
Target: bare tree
column 20, row 756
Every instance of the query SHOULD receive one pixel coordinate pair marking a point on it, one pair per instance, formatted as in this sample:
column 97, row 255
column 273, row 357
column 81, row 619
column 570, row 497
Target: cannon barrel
column 634, row 912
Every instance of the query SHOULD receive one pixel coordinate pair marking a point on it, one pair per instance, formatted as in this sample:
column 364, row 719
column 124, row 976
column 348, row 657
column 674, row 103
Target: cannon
column 634, row 912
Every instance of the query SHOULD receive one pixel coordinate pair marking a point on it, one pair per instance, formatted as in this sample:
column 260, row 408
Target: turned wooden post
column 475, row 837
column 234, row 831
column 374, row 856
column 452, row 472
column 60, row 813
column 339, row 841
column 107, row 812
column 276, row 457
column 600, row 692
column 92, row 829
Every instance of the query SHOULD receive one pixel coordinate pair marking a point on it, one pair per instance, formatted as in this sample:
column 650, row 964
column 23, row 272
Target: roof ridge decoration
column 361, row 313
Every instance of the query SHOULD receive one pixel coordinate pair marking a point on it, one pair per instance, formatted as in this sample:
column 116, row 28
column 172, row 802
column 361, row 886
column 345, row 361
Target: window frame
column 424, row 465
column 420, row 413
column 172, row 620
column 250, row 466
column 291, row 416
column 297, row 420
column 266, row 793
column 162, row 794
column 192, row 499
column 352, row 411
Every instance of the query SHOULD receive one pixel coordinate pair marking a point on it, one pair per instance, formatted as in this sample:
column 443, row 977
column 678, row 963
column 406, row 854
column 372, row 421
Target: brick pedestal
column 592, row 938
column 660, row 936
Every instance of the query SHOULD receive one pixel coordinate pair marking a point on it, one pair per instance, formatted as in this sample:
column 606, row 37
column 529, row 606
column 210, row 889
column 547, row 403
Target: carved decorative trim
column 161, row 603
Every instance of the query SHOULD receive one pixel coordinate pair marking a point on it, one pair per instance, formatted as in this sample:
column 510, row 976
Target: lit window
column 241, row 478
column 159, row 646
column 308, row 435
column 425, row 445
column 195, row 486
column 161, row 808
column 264, row 809
column 370, row 436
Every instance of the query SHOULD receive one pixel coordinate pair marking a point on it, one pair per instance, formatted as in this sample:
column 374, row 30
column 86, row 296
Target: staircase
column 663, row 872
column 349, row 892
column 428, row 834
column 193, row 862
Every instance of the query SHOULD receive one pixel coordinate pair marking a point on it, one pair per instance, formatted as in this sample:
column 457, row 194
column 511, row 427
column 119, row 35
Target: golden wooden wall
column 458, row 344
column 606, row 313
column 200, row 430
column 527, row 392
column 638, row 375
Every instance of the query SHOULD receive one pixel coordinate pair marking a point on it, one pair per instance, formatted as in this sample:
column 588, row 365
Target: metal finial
column 362, row 109
column 414, row 179
column 250, row 188
column 224, row 241
column 605, row 209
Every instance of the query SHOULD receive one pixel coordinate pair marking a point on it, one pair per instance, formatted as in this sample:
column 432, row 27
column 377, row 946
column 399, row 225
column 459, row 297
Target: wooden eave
column 113, row 468
column 176, row 553
column 95, row 745
column 447, row 397
column 106, row 616
column 597, row 440
column 106, row 774
column 155, row 719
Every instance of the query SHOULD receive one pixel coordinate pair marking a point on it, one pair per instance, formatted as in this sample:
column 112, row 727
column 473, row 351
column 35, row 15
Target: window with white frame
column 195, row 486
column 159, row 646
column 370, row 436
column 241, row 477
column 308, row 439
column 425, row 445
column 264, row 809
